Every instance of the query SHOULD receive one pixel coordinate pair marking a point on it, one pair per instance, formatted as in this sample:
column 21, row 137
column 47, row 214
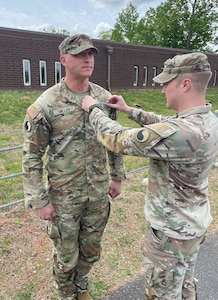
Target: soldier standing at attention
column 182, row 149
column 76, row 199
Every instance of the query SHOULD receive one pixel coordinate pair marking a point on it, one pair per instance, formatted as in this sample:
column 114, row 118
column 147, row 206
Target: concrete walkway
column 206, row 274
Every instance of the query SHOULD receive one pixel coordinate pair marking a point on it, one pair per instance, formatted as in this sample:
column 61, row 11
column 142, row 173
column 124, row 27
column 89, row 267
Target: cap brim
column 81, row 49
column 164, row 77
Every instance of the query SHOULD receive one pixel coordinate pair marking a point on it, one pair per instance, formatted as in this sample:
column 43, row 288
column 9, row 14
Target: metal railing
column 21, row 173
column 11, row 148
column 11, row 176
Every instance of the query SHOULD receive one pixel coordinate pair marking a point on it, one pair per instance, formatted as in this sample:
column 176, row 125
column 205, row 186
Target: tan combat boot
column 84, row 296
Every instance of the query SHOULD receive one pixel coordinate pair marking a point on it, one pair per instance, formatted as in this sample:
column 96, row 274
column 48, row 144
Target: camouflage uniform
column 181, row 151
column 77, row 182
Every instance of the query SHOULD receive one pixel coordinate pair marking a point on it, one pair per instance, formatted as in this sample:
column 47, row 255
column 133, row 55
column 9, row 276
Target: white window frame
column 26, row 72
column 145, row 76
column 154, row 74
column 43, row 77
column 136, row 75
column 57, row 72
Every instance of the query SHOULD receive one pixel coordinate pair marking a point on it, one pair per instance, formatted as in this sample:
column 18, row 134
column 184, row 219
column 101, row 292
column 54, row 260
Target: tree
column 51, row 29
column 187, row 24
column 126, row 25
column 165, row 24
column 184, row 24
column 105, row 35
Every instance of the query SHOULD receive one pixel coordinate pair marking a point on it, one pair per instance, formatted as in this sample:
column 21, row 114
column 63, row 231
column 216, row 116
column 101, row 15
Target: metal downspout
column 109, row 52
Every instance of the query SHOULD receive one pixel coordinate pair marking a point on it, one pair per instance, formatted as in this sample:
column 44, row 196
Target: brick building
column 30, row 61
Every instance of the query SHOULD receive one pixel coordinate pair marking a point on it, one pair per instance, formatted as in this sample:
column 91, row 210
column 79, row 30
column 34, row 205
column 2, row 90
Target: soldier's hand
column 114, row 188
column 46, row 213
column 87, row 102
column 118, row 103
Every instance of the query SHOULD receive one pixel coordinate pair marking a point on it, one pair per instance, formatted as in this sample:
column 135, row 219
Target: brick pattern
column 112, row 71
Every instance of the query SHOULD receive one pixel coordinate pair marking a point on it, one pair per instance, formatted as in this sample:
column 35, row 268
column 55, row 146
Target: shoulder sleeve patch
column 164, row 129
column 142, row 136
column 27, row 126
column 148, row 136
column 32, row 112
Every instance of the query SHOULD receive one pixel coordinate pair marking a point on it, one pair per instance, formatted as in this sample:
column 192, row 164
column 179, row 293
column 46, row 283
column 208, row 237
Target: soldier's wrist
column 95, row 105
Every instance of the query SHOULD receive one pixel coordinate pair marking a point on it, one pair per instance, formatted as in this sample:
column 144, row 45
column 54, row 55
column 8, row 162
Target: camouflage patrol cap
column 76, row 44
column 181, row 64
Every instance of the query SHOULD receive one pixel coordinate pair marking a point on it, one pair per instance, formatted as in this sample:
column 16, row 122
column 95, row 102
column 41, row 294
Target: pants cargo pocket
column 53, row 231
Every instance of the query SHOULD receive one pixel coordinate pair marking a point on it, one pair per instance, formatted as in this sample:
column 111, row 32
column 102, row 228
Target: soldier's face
column 170, row 89
column 81, row 64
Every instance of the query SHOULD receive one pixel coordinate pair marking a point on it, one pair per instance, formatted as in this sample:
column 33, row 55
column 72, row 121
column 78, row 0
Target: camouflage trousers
column 77, row 245
column 169, row 266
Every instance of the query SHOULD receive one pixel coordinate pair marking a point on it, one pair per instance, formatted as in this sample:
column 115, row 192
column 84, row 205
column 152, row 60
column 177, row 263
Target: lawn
column 24, row 247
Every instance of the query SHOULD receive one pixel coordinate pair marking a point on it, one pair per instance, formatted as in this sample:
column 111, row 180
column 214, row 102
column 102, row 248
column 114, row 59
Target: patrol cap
column 181, row 64
column 76, row 44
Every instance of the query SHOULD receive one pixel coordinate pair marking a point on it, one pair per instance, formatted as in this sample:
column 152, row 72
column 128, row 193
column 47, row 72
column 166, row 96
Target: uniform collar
column 195, row 110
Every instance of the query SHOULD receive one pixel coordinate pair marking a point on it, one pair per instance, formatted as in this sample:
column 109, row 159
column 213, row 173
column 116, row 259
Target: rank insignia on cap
column 32, row 112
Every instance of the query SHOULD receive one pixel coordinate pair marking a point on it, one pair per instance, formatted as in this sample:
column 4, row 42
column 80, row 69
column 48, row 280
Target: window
column 145, row 76
column 214, row 78
column 136, row 75
column 154, row 74
column 42, row 72
column 26, row 72
column 57, row 71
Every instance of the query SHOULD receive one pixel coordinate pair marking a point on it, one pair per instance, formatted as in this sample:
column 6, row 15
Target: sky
column 76, row 16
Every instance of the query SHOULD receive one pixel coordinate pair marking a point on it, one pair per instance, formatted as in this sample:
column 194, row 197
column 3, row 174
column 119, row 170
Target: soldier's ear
column 63, row 60
column 186, row 83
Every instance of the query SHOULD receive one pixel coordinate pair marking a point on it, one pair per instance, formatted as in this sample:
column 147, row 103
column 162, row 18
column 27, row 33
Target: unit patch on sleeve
column 27, row 126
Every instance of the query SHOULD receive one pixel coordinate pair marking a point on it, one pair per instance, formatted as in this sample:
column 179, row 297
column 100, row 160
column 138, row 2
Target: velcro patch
column 32, row 112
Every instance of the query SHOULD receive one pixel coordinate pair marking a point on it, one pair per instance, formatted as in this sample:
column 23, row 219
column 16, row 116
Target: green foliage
column 52, row 29
column 182, row 24
column 166, row 23
column 105, row 35
column 126, row 25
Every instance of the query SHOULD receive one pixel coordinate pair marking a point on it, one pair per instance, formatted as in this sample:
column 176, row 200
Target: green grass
column 98, row 288
column 154, row 100
column 120, row 237
column 14, row 105
column 13, row 108
column 4, row 247
column 26, row 294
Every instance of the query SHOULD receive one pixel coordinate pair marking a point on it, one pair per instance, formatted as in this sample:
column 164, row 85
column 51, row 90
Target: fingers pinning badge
column 27, row 126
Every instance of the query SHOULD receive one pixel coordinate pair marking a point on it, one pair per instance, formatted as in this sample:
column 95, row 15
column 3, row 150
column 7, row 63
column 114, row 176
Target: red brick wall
column 16, row 45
